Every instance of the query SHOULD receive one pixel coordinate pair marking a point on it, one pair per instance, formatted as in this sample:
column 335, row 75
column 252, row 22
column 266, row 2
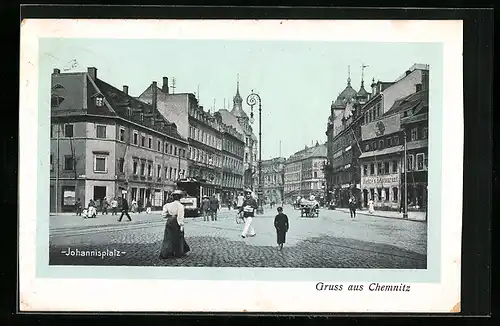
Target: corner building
column 304, row 173
column 106, row 143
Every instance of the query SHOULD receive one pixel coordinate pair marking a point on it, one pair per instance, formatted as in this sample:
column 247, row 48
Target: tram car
column 194, row 190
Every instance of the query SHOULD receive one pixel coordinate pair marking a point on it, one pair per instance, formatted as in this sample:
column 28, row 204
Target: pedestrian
column 92, row 212
column 174, row 244
column 134, row 206
column 352, row 206
column 105, row 204
column 205, row 208
column 78, row 207
column 114, row 206
column 124, row 210
column 248, row 208
column 214, row 206
column 371, row 209
column 281, row 225
column 148, row 206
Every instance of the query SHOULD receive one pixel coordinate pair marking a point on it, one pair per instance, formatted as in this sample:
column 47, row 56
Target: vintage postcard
column 240, row 166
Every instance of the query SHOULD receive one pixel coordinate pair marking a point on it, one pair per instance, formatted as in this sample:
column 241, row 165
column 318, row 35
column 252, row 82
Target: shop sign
column 382, row 179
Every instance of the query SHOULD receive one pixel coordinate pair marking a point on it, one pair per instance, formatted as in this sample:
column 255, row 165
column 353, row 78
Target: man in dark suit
column 124, row 209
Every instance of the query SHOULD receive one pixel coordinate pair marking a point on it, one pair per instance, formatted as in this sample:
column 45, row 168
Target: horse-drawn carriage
column 309, row 208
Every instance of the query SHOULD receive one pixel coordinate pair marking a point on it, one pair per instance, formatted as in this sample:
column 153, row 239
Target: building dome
column 348, row 93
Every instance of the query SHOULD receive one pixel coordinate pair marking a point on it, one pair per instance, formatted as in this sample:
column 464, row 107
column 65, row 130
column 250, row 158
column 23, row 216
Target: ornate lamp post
column 253, row 99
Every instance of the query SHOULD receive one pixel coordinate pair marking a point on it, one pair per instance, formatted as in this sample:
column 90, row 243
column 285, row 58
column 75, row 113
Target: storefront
column 384, row 190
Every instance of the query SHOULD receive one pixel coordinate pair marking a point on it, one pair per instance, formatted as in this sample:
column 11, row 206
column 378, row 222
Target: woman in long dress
column 174, row 245
column 370, row 206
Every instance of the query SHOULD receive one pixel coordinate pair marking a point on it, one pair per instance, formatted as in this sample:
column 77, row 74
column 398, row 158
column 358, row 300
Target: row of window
column 293, row 168
column 201, row 156
column 232, row 147
column 416, row 162
column 142, row 139
column 232, row 181
column 70, row 161
column 372, row 113
column 205, row 137
column 415, row 134
column 345, row 140
column 383, row 194
column 197, row 114
column 145, row 168
column 308, row 185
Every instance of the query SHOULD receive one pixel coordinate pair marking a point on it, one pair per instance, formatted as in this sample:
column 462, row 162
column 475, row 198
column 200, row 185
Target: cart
column 309, row 209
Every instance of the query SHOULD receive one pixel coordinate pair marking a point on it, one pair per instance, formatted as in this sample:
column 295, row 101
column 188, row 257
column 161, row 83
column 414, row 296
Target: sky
column 296, row 80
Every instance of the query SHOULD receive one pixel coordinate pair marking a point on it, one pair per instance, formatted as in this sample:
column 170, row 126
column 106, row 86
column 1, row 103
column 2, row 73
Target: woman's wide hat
column 177, row 192
column 247, row 191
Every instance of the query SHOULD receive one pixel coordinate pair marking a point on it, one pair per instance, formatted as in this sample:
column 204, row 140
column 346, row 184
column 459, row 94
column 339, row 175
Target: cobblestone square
column 332, row 240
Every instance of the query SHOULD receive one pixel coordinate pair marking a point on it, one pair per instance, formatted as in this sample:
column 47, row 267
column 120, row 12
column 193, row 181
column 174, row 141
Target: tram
column 194, row 190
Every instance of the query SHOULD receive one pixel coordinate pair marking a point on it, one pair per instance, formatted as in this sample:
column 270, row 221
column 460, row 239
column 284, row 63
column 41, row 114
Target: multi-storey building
column 382, row 161
column 106, row 143
column 199, row 126
column 233, row 151
column 304, row 173
column 348, row 113
column 251, row 150
column 343, row 132
column 273, row 176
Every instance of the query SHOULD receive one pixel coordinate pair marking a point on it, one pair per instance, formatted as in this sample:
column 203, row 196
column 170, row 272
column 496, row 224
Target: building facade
column 106, row 144
column 383, row 144
column 304, row 173
column 200, row 127
column 233, row 151
column 343, row 135
column 273, row 176
column 349, row 112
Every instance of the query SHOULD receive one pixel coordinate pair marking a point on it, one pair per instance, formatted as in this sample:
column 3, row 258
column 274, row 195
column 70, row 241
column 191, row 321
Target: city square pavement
column 332, row 240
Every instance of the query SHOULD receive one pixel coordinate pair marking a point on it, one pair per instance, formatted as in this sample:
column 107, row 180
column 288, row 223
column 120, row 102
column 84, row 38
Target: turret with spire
column 362, row 95
column 237, row 110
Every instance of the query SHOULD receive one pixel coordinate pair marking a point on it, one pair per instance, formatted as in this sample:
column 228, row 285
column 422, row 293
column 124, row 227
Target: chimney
column 374, row 88
column 56, row 71
column 125, row 89
column 92, row 71
column 154, row 87
column 164, row 87
column 418, row 87
column 425, row 79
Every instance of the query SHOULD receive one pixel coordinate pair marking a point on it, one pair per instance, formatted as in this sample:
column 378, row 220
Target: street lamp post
column 253, row 99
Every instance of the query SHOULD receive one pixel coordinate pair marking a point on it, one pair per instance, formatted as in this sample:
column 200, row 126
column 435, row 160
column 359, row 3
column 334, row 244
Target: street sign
column 124, row 191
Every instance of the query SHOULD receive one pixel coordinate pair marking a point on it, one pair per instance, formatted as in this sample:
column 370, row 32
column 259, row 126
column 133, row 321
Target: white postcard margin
column 37, row 294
